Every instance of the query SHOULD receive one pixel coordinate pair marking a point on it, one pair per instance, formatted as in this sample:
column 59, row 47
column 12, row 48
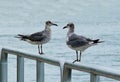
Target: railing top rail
column 31, row 56
column 95, row 69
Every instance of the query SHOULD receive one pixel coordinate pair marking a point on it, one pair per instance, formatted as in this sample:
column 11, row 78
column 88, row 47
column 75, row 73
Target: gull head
column 69, row 25
column 49, row 23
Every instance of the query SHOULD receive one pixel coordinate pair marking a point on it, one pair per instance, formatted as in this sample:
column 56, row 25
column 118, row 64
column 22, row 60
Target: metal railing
column 65, row 67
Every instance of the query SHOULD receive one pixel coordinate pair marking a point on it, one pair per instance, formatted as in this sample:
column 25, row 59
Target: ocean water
column 93, row 19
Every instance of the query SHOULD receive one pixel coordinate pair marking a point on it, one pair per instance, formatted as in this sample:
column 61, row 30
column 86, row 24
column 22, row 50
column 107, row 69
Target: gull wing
column 39, row 36
column 78, row 41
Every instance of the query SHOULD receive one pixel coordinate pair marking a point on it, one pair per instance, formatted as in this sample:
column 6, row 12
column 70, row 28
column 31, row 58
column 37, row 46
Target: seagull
column 39, row 38
column 78, row 42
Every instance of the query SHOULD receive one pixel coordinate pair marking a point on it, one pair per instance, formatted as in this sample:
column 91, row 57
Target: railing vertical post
column 3, row 72
column 0, row 68
column 94, row 78
column 61, row 70
column 39, row 71
column 20, row 69
column 67, row 74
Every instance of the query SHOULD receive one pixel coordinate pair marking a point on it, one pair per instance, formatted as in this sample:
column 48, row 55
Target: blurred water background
column 92, row 18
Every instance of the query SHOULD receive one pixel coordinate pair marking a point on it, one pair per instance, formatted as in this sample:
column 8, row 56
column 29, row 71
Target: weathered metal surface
column 65, row 68
column 20, row 69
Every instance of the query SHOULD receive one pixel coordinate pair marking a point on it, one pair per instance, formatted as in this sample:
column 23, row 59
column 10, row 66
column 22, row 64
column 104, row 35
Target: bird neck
column 70, row 31
column 47, row 28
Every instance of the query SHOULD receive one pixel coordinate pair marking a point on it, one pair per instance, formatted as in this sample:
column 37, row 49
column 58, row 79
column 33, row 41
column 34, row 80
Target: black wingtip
column 22, row 37
column 98, row 41
column 101, row 41
column 18, row 36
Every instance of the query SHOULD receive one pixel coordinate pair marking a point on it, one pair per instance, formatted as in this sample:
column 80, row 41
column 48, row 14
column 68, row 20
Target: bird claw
column 76, row 61
column 41, row 53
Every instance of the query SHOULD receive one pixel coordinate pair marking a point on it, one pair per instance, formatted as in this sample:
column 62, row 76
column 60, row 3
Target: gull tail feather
column 22, row 37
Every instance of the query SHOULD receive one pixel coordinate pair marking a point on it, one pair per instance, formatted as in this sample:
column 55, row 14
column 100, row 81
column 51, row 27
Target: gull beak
column 64, row 27
column 54, row 24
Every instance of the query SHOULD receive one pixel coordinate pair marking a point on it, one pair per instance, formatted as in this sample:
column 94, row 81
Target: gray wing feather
column 39, row 36
column 77, row 41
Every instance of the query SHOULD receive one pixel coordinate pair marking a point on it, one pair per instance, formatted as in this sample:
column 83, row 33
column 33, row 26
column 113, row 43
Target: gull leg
column 80, row 56
column 76, row 57
column 41, row 50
